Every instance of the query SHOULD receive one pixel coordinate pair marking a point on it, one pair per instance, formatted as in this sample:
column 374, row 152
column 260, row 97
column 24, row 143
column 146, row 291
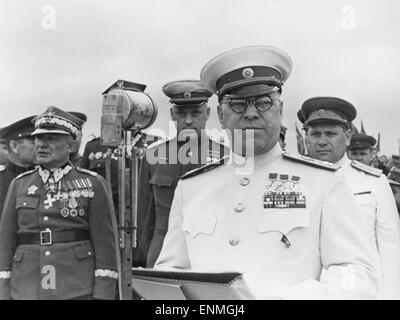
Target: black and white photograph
column 220, row 150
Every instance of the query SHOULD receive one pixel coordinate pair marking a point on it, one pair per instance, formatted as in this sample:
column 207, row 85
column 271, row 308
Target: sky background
column 65, row 53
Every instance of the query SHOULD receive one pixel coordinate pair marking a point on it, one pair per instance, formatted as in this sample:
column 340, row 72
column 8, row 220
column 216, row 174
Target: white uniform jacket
column 235, row 218
column 376, row 203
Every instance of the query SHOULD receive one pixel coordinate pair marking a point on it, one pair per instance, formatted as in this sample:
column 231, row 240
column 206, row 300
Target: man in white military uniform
column 327, row 121
column 274, row 217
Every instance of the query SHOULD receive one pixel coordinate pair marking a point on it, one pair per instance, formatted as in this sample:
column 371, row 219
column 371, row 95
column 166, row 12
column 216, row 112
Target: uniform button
column 239, row 207
column 46, row 218
column 98, row 165
column 190, row 154
column 47, row 253
column 24, row 203
column 234, row 242
column 244, row 181
column 90, row 253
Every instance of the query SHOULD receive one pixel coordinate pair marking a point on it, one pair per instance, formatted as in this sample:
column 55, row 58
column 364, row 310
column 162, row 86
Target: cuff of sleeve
column 104, row 288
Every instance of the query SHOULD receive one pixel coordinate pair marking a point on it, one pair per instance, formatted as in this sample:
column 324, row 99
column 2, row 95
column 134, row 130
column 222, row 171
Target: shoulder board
column 310, row 161
column 2, row 168
column 367, row 169
column 27, row 173
column 205, row 168
column 158, row 142
column 92, row 173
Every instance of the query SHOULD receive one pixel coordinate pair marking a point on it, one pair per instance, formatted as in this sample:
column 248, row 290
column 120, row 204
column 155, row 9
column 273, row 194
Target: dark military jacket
column 76, row 255
column 94, row 159
column 10, row 171
column 157, row 183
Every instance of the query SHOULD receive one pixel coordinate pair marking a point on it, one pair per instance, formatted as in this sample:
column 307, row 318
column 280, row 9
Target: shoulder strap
column 310, row 161
column 367, row 169
column 205, row 168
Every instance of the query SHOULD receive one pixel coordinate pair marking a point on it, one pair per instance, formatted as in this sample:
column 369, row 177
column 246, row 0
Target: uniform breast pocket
column 199, row 225
column 26, row 206
column 163, row 190
column 279, row 222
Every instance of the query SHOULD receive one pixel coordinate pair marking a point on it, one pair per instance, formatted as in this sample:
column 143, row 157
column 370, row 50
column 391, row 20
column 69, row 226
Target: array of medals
column 71, row 196
column 282, row 191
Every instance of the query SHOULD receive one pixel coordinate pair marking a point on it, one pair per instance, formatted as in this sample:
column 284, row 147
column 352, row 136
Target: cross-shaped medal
column 49, row 201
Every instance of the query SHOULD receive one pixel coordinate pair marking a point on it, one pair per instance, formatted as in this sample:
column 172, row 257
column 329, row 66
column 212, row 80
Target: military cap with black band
column 327, row 110
column 361, row 141
column 18, row 130
column 186, row 92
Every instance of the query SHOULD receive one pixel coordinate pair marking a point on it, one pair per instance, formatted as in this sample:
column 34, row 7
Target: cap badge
column 187, row 95
column 248, row 73
column 120, row 84
column 320, row 111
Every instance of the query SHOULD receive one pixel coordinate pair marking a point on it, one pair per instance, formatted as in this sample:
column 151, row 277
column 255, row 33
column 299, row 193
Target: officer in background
column 327, row 122
column 75, row 157
column 56, row 234
column 21, row 156
column 394, row 181
column 275, row 217
column 3, row 151
column 361, row 148
column 167, row 160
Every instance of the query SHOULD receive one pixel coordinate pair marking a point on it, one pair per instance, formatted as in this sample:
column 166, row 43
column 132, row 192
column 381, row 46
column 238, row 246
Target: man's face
column 396, row 193
column 327, row 142
column 264, row 126
column 363, row 155
column 3, row 153
column 53, row 149
column 24, row 149
column 190, row 120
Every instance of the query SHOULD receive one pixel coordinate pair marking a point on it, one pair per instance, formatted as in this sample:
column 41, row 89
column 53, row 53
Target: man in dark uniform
column 361, row 148
column 56, row 235
column 21, row 156
column 3, row 151
column 75, row 157
column 165, row 161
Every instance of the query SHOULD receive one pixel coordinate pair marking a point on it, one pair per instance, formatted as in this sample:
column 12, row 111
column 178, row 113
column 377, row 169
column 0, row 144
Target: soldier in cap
column 75, row 156
column 265, row 212
column 394, row 181
column 56, row 235
column 166, row 160
column 327, row 122
column 3, row 151
column 361, row 148
column 21, row 155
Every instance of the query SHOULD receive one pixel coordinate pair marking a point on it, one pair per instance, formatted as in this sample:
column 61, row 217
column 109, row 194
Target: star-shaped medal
column 32, row 189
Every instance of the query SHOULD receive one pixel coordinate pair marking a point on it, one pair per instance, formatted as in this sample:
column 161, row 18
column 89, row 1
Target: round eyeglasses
column 239, row 105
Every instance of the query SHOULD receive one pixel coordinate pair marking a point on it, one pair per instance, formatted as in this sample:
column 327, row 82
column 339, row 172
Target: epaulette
column 205, row 168
column 310, row 161
column 2, row 168
column 92, row 173
column 27, row 173
column 367, row 169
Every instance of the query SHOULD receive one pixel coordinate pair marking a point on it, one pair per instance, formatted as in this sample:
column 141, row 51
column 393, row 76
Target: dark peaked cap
column 245, row 66
column 20, row 129
column 186, row 92
column 327, row 109
column 361, row 141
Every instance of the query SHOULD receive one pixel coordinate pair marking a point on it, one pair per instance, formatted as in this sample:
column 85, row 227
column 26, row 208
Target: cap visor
column 42, row 131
